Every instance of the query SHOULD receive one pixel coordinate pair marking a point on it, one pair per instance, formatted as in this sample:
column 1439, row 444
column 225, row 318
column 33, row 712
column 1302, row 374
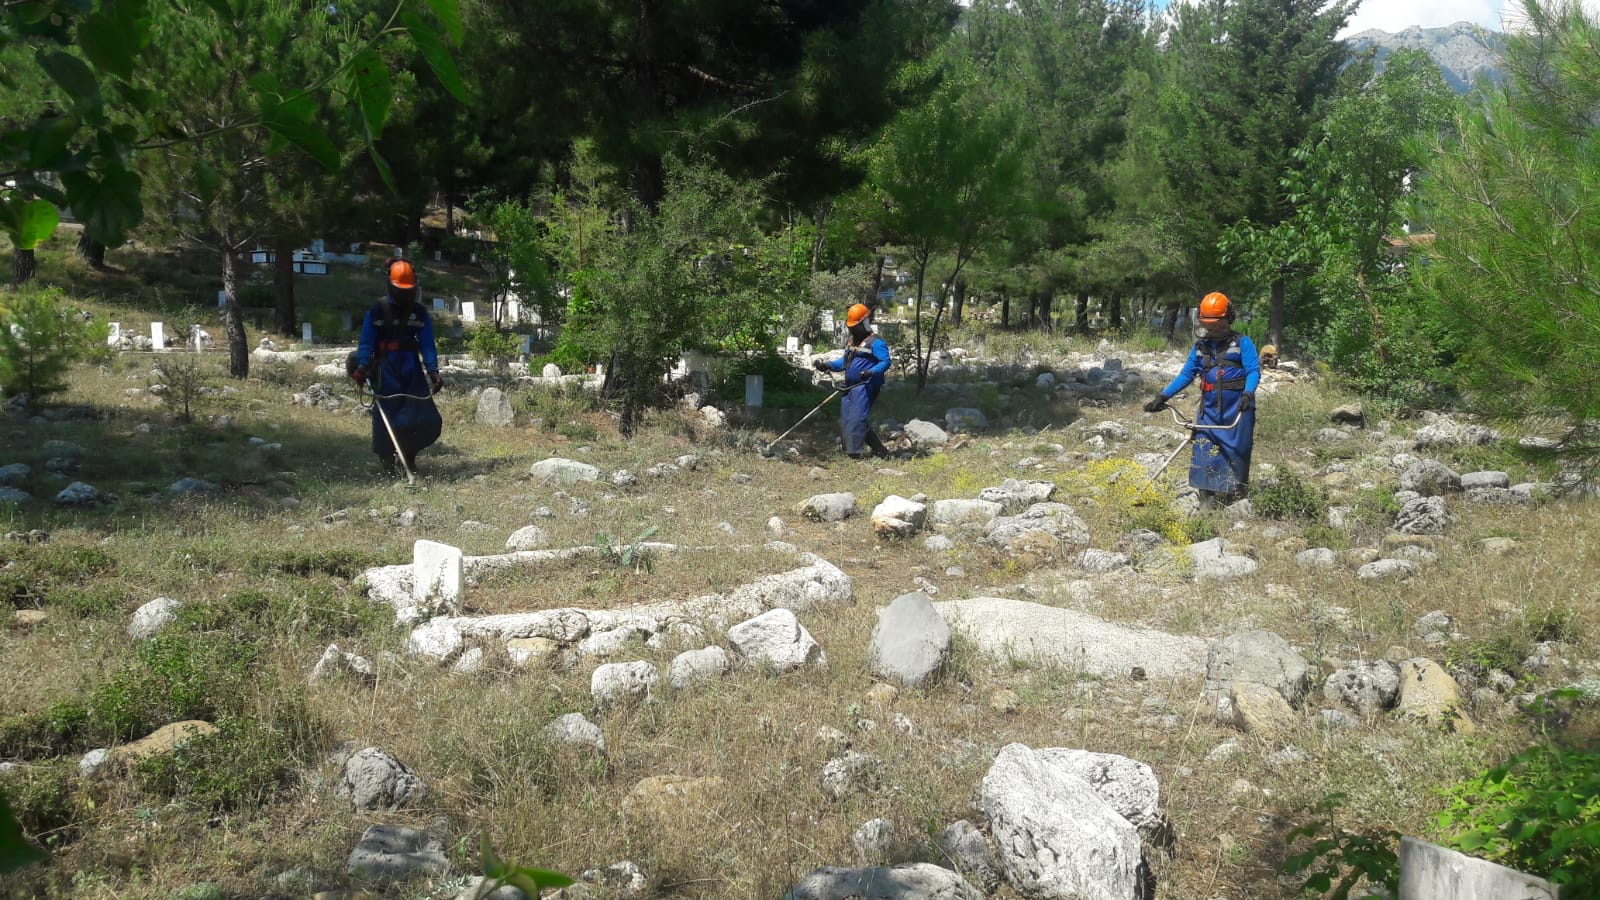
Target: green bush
column 40, row 339
column 1338, row 860
column 492, row 347
column 46, row 805
column 59, row 729
column 240, row 765
column 1287, row 497
column 178, row 674
column 88, row 602
column 310, row 563
column 1539, row 812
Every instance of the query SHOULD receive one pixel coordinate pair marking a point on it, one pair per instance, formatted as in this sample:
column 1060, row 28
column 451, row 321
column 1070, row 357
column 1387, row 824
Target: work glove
column 1247, row 402
column 359, row 377
column 821, row 365
column 435, row 382
column 1156, row 403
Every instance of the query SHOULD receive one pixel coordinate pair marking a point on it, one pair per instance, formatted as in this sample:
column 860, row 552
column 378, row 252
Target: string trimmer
column 1193, row 429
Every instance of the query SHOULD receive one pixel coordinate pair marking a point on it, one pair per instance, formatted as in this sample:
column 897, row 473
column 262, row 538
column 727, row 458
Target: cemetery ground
column 267, row 562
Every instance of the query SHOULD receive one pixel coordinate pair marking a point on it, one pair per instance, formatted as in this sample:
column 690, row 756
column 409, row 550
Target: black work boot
column 875, row 444
column 390, row 467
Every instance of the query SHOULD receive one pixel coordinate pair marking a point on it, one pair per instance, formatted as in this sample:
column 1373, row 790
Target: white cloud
column 1394, row 15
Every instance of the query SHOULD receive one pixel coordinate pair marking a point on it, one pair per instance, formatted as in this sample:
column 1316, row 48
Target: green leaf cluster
column 1538, row 812
column 40, row 339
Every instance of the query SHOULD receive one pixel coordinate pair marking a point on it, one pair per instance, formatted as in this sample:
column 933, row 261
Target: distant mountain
column 1463, row 50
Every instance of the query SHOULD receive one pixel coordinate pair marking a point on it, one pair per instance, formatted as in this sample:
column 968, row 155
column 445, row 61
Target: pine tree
column 1515, row 269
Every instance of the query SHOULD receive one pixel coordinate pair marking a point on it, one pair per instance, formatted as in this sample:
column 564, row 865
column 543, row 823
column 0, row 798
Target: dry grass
column 286, row 526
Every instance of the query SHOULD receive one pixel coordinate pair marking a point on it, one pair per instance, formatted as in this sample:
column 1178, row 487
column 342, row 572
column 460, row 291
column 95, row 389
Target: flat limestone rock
column 925, row 881
column 1070, row 639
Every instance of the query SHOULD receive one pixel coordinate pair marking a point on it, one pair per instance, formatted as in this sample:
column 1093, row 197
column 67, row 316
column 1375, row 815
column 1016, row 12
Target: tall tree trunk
column 1080, row 313
column 23, row 266
column 1047, row 299
column 877, row 282
column 1005, row 308
column 1275, row 314
column 916, row 312
column 819, row 218
column 958, row 301
column 1169, row 322
column 92, row 251
column 449, row 211
column 233, row 318
column 283, row 314
column 1114, row 311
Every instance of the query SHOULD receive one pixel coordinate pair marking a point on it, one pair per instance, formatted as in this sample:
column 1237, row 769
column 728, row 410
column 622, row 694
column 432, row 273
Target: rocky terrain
column 1002, row 664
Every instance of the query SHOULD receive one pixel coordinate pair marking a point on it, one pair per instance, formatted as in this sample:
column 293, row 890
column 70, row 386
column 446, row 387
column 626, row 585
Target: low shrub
column 1287, row 497
column 309, row 563
column 46, row 803
column 178, row 674
column 58, row 729
column 241, row 765
column 1539, row 812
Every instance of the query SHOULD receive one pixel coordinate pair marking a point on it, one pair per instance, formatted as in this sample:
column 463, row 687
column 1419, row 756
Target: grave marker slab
column 438, row 304
column 114, row 339
column 158, row 336
column 1431, row 872
column 752, row 390
column 469, row 311
column 435, row 574
column 305, row 333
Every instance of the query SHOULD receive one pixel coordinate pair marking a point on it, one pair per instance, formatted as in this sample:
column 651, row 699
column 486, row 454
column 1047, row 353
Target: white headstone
column 1431, row 872
column 752, row 390
column 114, row 339
column 346, row 322
column 527, row 344
column 469, row 311
column 317, row 246
column 792, row 344
column 194, row 338
column 305, row 332
column 827, row 321
column 806, row 349
column 438, row 304
column 158, row 335
column 437, row 256
column 435, row 574
column 222, row 299
column 600, row 372
column 513, row 311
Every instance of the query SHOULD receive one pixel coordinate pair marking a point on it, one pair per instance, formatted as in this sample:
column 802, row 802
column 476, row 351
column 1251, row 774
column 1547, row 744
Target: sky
column 1393, row 15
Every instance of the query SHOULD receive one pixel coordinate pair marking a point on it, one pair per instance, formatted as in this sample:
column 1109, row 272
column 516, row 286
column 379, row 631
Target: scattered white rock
column 563, row 471
column 372, row 779
column 911, row 641
column 149, row 619
column 613, row 684
column 575, row 730
column 694, row 667
column 775, row 639
column 897, row 517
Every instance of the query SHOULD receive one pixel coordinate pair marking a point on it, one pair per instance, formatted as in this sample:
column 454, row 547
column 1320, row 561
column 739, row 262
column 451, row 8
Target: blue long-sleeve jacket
column 412, row 330
column 875, row 348
column 1235, row 356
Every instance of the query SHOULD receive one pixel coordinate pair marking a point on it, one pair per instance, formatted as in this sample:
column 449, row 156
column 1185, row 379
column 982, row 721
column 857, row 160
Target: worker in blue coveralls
column 1229, row 370
column 397, row 358
column 865, row 360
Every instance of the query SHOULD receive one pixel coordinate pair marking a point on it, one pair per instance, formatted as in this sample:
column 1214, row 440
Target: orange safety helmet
column 1215, row 305
column 856, row 314
column 401, row 275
